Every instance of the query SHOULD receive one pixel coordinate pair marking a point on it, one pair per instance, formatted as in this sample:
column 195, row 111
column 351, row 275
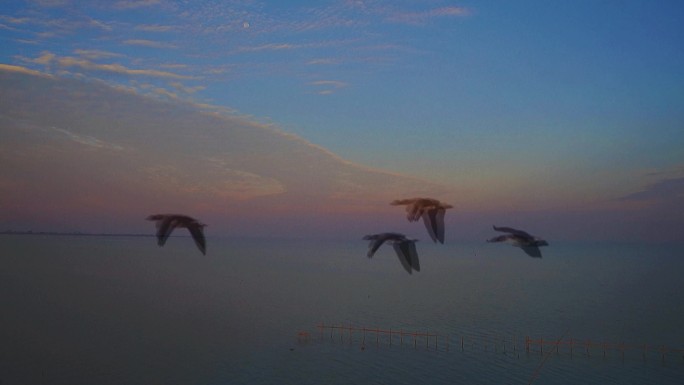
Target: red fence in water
column 589, row 348
column 389, row 336
column 430, row 340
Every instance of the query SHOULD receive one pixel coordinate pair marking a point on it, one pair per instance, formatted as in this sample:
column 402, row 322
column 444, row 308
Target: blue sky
column 515, row 107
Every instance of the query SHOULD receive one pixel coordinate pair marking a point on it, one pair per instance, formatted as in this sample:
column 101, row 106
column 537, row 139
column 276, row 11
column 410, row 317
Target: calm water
column 120, row 310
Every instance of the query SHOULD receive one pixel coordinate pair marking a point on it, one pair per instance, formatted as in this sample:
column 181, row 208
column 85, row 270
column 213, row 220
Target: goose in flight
column 431, row 210
column 518, row 238
column 167, row 222
column 404, row 247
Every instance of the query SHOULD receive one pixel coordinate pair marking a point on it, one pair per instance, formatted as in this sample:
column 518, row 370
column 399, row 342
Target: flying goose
column 518, row 238
column 431, row 210
column 167, row 222
column 404, row 248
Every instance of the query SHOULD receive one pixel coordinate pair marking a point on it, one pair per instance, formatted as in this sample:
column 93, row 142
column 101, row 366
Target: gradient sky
column 558, row 117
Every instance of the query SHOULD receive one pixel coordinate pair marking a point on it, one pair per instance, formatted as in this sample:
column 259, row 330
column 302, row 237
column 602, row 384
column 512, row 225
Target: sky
column 306, row 118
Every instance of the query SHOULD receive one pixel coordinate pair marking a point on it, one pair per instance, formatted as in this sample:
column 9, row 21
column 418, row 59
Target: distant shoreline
column 79, row 234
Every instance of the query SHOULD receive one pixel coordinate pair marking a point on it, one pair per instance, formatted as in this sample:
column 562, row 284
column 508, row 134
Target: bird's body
column 518, row 238
column 431, row 210
column 404, row 248
column 167, row 222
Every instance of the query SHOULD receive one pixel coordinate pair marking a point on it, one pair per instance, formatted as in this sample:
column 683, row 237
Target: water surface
column 120, row 310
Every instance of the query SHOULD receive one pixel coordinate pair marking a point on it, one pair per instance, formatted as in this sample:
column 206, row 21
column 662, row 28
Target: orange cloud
column 24, row 70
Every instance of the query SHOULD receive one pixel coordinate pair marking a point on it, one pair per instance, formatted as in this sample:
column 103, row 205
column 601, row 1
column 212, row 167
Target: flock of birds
column 430, row 210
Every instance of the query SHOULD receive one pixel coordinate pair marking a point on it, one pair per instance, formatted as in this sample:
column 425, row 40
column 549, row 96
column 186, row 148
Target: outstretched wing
column 157, row 218
column 434, row 223
column 514, row 232
column 430, row 221
column 403, row 253
column 374, row 245
column 439, row 220
column 499, row 238
column 198, row 236
column 164, row 229
column 532, row 251
column 413, row 255
column 414, row 211
column 398, row 202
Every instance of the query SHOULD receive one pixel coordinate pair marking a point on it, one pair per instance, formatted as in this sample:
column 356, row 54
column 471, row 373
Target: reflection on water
column 84, row 310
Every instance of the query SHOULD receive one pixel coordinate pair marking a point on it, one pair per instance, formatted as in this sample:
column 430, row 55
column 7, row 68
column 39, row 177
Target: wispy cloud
column 96, row 54
column 164, row 92
column 329, row 86
column 418, row 18
column 7, row 28
column 48, row 59
column 173, row 65
column 14, row 20
column 88, row 140
column 322, row 61
column 51, row 3
column 98, row 24
column 43, row 59
column 23, row 70
column 390, row 12
column 117, row 68
column 61, row 26
column 333, row 83
column 665, row 190
column 149, row 43
column 154, row 28
column 221, row 160
column 185, row 89
column 45, row 26
column 133, row 4
column 319, row 44
column 270, row 47
column 26, row 41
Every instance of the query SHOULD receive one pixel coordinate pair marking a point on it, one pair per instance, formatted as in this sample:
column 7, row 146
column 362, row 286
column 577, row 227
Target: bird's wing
column 198, row 236
column 440, row 224
column 513, row 231
column 164, row 229
column 157, row 218
column 429, row 220
column 374, row 245
column 436, row 223
column 403, row 254
column 413, row 255
column 415, row 211
column 398, row 202
column 499, row 238
column 532, row 251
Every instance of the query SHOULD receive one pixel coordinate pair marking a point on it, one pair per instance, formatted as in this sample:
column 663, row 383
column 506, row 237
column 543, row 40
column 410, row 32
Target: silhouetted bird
column 404, row 248
column 518, row 238
column 431, row 210
column 167, row 222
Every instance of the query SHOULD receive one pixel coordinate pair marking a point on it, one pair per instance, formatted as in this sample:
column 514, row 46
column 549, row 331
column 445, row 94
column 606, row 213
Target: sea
column 121, row 310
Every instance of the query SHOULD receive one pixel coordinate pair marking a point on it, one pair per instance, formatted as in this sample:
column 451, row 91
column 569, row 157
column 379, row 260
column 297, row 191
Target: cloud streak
column 148, row 43
column 132, row 152
column 88, row 140
column 419, row 18
column 116, row 68
column 666, row 190
column 155, row 28
column 330, row 86
column 135, row 4
column 48, row 59
column 94, row 54
column 23, row 70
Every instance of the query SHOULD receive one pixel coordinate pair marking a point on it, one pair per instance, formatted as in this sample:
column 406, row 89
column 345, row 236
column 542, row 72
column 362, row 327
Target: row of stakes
column 431, row 340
